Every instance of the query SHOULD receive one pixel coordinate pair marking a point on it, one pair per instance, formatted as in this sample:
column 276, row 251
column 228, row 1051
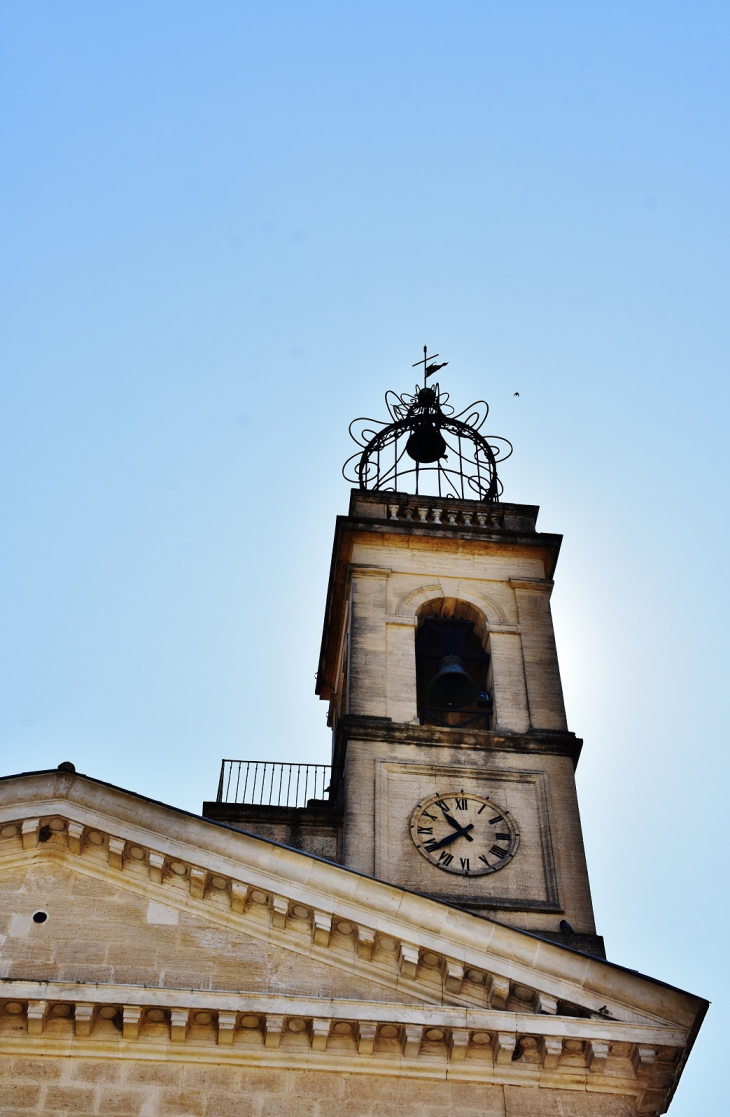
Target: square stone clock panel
column 466, row 835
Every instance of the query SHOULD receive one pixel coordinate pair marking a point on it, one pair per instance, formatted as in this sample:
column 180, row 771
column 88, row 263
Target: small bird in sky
column 434, row 368
column 517, row 393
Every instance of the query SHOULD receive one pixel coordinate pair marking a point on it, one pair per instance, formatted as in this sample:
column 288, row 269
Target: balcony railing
column 266, row 783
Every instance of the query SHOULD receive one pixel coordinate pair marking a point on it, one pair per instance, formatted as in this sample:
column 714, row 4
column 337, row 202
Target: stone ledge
column 554, row 742
column 124, row 1021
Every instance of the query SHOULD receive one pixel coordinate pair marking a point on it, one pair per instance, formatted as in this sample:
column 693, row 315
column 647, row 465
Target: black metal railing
column 267, row 783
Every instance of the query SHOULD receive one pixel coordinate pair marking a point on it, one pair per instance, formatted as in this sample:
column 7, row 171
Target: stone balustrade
column 440, row 514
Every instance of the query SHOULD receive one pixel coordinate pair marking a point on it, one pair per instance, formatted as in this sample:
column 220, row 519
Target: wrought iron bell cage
column 428, row 446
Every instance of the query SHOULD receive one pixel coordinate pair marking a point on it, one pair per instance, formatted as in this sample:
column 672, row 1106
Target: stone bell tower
column 452, row 762
column 389, row 950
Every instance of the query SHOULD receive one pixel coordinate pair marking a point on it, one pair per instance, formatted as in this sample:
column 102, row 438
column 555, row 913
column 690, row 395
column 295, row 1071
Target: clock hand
column 452, row 838
column 457, row 826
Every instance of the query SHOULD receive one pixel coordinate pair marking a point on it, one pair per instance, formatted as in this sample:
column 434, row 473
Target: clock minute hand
column 457, row 826
column 452, row 838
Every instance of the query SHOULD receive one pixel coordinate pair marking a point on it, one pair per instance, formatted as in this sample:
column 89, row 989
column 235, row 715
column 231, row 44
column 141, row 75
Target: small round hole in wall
column 40, row 916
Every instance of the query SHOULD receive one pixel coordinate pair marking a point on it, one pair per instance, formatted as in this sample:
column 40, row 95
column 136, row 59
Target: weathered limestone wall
column 197, row 970
column 98, row 933
column 546, row 881
column 47, row 1086
column 394, row 576
column 314, row 829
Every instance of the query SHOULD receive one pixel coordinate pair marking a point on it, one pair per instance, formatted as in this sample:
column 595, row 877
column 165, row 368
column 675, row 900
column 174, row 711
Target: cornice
column 384, row 729
column 278, row 1031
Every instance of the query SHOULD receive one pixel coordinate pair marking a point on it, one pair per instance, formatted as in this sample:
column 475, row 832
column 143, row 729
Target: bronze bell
column 426, row 444
column 452, row 685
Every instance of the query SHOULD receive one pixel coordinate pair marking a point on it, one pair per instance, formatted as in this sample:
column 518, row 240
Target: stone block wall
column 46, row 1086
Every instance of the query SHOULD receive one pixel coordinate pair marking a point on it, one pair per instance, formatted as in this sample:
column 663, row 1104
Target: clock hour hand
column 452, row 838
column 457, row 826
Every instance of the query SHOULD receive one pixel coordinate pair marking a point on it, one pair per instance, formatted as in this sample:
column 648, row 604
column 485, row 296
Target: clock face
column 464, row 833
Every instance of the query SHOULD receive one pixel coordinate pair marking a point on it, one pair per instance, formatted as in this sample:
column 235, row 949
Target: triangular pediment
column 125, row 932
column 148, row 905
column 242, row 887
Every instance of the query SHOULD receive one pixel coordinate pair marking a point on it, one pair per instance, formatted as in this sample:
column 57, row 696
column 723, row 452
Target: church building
column 408, row 930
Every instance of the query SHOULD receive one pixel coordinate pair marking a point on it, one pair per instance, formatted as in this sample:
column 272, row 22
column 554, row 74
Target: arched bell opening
column 452, row 665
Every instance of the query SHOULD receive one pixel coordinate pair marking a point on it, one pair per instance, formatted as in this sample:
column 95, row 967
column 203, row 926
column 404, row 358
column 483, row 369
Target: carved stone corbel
column 365, row 943
column 320, row 1034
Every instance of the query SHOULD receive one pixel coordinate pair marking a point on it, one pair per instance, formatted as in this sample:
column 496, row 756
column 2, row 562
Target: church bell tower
column 406, row 930
column 453, row 765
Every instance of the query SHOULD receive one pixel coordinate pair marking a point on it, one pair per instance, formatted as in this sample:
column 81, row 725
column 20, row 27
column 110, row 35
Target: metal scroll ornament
column 427, row 443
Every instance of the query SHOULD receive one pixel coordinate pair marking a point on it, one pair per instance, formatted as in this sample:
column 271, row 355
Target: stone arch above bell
column 451, row 589
column 455, row 609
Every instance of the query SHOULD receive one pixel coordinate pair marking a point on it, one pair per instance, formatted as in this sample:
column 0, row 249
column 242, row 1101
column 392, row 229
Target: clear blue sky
column 227, row 228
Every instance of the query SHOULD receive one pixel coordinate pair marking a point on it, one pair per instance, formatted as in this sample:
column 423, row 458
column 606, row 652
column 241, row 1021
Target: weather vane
column 428, row 370
column 427, row 445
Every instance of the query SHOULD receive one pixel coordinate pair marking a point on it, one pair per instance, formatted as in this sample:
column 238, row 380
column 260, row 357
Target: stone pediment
column 176, row 929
